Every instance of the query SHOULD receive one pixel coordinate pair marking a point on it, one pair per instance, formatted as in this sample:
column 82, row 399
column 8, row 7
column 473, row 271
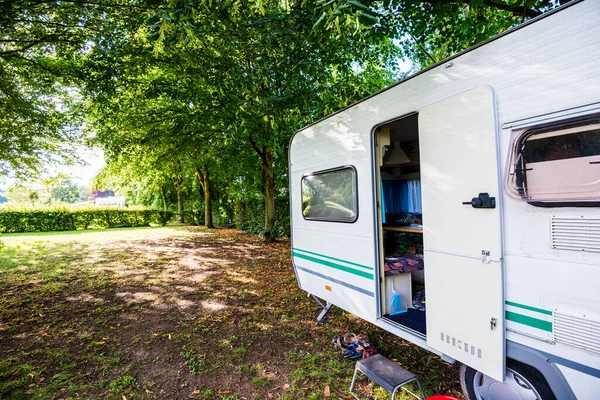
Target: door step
column 386, row 374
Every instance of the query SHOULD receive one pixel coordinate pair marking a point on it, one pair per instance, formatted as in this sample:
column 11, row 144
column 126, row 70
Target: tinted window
column 330, row 196
column 540, row 148
column 560, row 165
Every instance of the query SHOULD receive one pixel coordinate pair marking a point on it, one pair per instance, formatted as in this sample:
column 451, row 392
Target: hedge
column 247, row 215
column 65, row 219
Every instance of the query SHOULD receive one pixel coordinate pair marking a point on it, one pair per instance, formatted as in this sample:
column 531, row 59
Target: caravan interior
column 401, row 223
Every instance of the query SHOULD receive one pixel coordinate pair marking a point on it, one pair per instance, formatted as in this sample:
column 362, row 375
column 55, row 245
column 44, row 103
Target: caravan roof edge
column 444, row 61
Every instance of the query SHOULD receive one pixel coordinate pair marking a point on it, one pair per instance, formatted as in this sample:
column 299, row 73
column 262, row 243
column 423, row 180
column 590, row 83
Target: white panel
column 459, row 309
column 459, row 161
column 457, row 139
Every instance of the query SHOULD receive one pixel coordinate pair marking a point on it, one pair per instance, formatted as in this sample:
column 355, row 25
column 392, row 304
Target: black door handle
column 482, row 201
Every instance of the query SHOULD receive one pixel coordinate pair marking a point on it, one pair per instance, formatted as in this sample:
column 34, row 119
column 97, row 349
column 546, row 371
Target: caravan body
column 510, row 230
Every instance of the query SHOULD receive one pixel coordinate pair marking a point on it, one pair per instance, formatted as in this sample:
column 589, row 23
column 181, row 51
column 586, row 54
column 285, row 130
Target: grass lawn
column 175, row 313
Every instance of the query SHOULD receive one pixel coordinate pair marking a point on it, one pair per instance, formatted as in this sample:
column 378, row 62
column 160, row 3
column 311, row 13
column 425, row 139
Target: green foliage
column 15, row 220
column 247, row 215
column 171, row 112
column 250, row 216
column 429, row 31
column 65, row 191
column 33, row 197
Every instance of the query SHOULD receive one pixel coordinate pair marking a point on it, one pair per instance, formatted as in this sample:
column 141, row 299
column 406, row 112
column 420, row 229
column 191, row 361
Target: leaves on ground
column 174, row 313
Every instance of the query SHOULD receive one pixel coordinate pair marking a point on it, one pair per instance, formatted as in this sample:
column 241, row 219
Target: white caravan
column 489, row 165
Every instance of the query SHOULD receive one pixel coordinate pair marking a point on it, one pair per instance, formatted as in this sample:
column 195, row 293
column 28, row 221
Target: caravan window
column 330, row 195
column 560, row 165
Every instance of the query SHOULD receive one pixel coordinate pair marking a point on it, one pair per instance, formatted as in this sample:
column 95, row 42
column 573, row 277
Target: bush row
column 247, row 215
column 14, row 221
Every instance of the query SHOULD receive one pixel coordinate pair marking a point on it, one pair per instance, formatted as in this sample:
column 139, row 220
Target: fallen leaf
column 124, row 398
column 326, row 391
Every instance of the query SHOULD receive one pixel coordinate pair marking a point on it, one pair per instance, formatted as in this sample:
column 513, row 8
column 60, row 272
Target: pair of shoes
column 354, row 351
column 343, row 341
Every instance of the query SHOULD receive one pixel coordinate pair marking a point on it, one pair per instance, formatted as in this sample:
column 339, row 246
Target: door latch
column 493, row 323
column 482, row 201
column 484, row 256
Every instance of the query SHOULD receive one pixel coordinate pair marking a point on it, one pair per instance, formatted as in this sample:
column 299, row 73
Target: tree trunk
column 268, row 178
column 178, row 179
column 268, row 181
column 163, row 194
column 204, row 179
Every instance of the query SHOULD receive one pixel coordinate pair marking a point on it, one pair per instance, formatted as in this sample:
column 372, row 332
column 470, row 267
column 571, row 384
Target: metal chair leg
column 353, row 378
column 421, row 389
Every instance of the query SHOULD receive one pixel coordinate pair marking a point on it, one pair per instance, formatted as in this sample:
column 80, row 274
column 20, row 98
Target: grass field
column 175, row 313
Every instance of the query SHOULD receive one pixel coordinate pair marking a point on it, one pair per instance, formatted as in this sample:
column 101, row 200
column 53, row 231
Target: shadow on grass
column 191, row 314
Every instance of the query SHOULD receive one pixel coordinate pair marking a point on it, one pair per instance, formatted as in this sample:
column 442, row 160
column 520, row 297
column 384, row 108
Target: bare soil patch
column 175, row 313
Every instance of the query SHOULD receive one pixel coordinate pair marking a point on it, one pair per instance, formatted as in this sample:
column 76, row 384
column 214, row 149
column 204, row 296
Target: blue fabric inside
column 383, row 209
column 402, row 196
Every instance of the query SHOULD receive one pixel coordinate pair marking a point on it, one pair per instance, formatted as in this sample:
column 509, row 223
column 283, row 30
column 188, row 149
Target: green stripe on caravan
column 332, row 264
column 335, row 259
column 529, row 321
column 530, row 308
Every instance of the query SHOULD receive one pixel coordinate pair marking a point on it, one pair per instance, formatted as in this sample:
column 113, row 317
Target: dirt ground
column 175, row 313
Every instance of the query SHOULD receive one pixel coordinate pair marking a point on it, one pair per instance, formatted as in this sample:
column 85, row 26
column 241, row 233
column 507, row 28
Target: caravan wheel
column 522, row 383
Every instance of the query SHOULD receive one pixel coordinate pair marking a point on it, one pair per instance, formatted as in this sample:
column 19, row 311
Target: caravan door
column 462, row 230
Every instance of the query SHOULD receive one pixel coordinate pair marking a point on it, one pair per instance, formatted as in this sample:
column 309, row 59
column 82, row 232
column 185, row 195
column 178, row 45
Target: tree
column 41, row 47
column 65, row 191
column 272, row 74
column 429, row 30
column 34, row 196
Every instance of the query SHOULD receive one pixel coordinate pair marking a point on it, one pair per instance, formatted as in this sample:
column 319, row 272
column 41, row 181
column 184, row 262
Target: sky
column 82, row 175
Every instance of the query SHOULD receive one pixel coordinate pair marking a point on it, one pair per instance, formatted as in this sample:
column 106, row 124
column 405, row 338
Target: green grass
column 152, row 313
column 98, row 231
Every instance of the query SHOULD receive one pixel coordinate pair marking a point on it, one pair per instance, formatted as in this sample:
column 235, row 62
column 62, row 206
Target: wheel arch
column 545, row 366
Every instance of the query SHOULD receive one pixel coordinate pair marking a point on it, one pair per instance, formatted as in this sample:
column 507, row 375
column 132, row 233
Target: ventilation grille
column 578, row 331
column 575, row 233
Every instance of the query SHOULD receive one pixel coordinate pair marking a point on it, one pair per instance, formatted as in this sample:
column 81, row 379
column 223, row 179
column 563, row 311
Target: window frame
column 325, row 171
column 518, row 190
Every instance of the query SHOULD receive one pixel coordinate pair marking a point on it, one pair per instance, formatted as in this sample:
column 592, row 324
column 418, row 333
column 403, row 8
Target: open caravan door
column 462, row 242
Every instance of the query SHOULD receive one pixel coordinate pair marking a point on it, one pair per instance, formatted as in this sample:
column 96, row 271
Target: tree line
column 194, row 102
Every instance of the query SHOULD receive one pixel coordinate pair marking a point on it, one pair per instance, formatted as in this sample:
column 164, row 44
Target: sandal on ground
column 349, row 338
column 338, row 341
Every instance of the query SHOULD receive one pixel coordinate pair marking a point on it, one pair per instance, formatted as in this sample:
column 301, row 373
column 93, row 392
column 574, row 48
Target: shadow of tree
column 193, row 314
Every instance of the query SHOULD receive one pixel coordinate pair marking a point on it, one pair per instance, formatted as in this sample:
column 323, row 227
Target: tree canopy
column 194, row 102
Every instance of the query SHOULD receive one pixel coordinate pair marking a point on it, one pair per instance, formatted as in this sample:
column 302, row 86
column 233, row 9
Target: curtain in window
column 412, row 189
column 402, row 196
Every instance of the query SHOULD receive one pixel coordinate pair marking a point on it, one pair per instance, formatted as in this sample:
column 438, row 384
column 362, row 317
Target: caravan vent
column 578, row 331
column 575, row 233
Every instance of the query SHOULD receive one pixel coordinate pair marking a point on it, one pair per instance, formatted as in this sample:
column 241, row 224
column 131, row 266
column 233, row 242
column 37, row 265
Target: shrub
column 247, row 215
column 14, row 220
